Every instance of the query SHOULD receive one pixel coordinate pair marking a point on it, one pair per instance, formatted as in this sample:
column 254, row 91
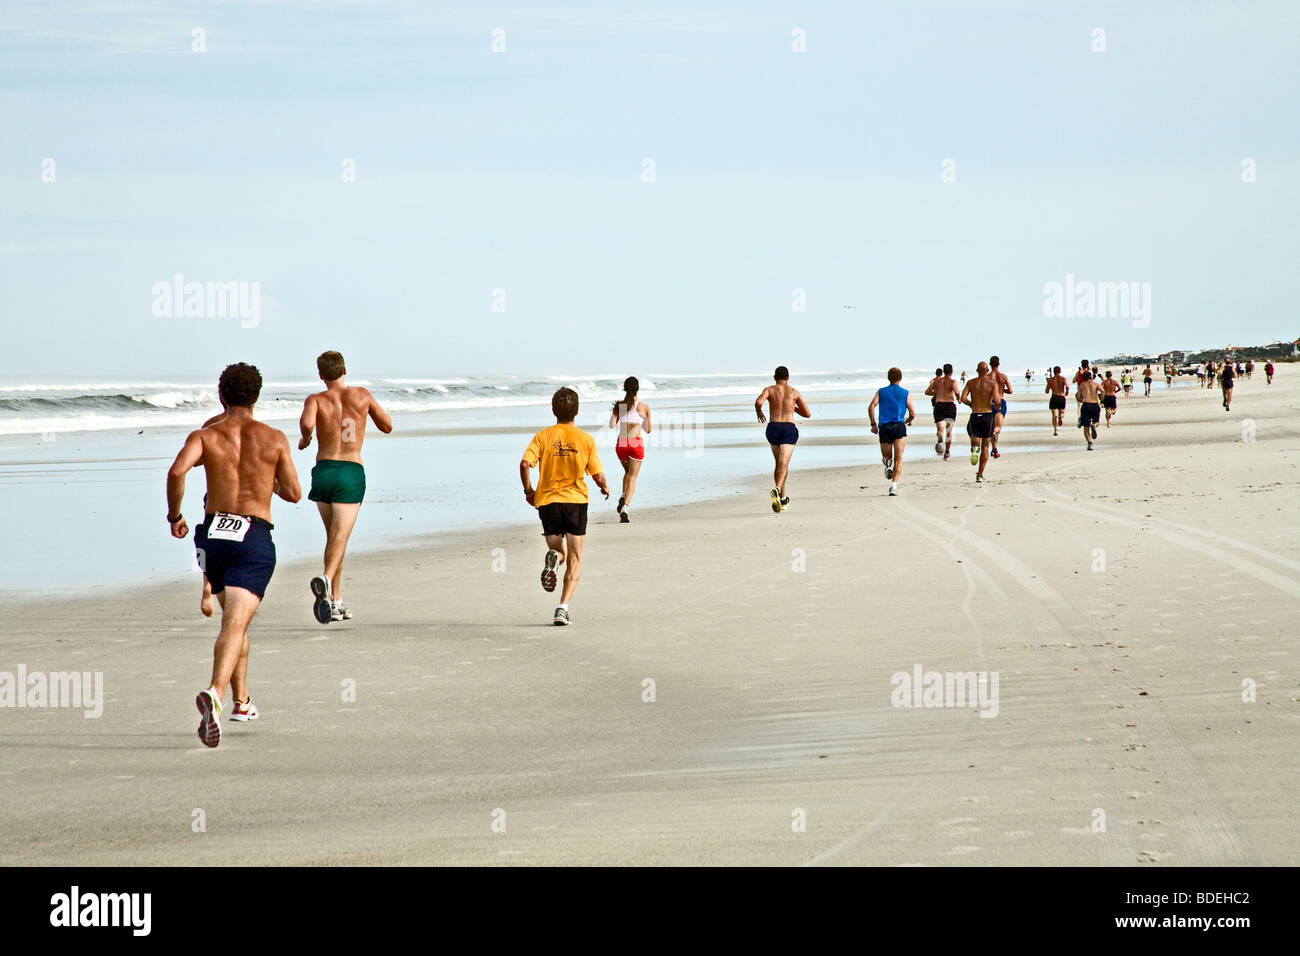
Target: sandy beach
column 1122, row 597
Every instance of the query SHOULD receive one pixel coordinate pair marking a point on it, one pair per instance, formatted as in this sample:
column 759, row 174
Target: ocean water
column 50, row 409
column 83, row 464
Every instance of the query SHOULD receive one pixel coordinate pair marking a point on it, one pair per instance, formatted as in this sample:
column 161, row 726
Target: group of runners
column 1226, row 373
column 247, row 462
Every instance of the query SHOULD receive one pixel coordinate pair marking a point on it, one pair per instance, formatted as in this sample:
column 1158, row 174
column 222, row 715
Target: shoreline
column 1019, row 438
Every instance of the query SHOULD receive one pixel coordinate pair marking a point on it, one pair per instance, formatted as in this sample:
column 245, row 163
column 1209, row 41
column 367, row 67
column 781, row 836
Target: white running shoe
column 893, row 488
column 210, row 713
column 244, row 710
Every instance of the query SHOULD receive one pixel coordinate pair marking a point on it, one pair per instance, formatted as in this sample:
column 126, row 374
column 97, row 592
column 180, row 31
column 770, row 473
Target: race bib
column 228, row 527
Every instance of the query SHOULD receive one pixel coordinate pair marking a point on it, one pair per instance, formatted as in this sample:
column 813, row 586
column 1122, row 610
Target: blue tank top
column 893, row 404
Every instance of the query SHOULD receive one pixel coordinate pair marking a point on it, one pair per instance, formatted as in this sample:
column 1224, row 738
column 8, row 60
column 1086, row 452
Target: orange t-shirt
column 564, row 456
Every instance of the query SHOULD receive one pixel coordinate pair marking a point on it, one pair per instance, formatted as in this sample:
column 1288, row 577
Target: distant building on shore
column 1276, row 351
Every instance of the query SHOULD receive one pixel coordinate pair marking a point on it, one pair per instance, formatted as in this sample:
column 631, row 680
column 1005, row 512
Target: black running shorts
column 891, row 432
column 980, row 425
column 563, row 517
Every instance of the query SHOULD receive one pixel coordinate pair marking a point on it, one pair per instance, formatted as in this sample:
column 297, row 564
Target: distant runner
column 1146, row 380
column 1127, row 381
column 1078, row 378
column 1000, row 411
column 1226, row 381
column 944, row 391
column 1089, row 408
column 563, row 455
column 338, row 481
column 979, row 394
column 1109, row 391
column 1058, row 388
column 245, row 462
column 784, row 402
column 632, row 419
column 1268, row 373
column 896, row 413
column 929, row 390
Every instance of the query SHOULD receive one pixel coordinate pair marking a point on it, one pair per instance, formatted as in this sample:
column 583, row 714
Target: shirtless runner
column 1058, row 388
column 338, row 482
column 980, row 394
column 1109, row 393
column 1000, row 410
column 246, row 462
column 1089, row 408
column 784, row 401
column 944, row 390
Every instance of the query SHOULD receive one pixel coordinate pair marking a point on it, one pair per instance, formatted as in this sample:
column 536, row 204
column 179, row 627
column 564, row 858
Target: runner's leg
column 572, row 567
column 337, row 531
column 783, row 454
column 630, row 469
column 238, row 605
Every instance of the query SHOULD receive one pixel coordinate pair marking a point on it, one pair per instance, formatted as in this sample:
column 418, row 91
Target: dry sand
column 1120, row 690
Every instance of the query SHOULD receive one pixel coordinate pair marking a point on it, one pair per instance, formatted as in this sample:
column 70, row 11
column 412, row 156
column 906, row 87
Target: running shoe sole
column 209, row 722
column 320, row 589
column 548, row 572
column 776, row 500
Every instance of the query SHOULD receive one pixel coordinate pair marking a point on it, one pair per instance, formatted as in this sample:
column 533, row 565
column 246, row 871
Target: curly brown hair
column 240, row 385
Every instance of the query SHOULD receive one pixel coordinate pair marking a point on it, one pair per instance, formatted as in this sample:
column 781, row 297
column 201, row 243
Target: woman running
column 631, row 418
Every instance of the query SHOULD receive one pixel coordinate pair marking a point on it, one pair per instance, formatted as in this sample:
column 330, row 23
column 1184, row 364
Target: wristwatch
column 171, row 520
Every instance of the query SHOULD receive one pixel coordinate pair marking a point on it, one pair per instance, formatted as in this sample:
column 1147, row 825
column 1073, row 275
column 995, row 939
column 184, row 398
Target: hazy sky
column 523, row 170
